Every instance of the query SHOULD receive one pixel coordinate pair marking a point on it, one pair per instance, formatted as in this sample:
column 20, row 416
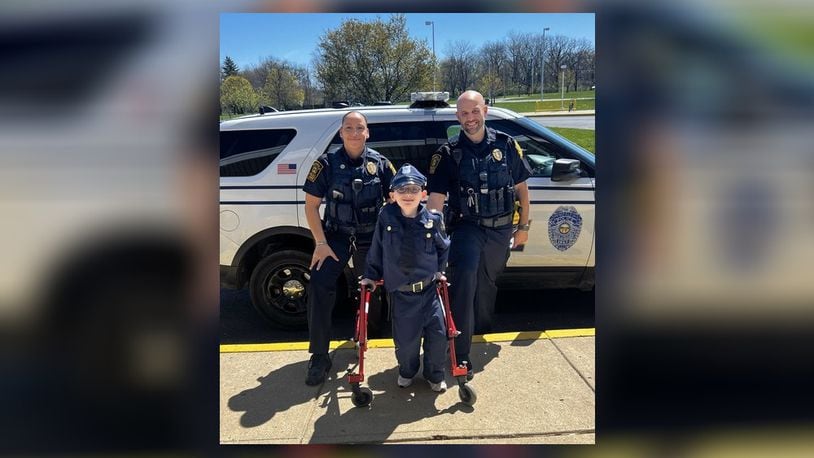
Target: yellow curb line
column 388, row 343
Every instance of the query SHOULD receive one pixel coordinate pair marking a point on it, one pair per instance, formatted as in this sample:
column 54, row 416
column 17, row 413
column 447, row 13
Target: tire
column 362, row 398
column 279, row 288
column 467, row 394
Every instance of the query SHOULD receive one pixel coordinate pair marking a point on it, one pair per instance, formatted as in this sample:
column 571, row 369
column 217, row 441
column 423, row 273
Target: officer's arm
column 312, row 204
column 436, row 201
column 522, row 192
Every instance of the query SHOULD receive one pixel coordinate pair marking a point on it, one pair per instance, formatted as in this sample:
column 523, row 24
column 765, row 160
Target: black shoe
column 318, row 369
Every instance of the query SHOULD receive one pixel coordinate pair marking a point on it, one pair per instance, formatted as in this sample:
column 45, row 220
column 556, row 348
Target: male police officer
column 353, row 181
column 410, row 251
column 484, row 172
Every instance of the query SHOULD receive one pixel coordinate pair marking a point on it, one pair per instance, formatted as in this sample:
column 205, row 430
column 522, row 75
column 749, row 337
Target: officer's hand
column 369, row 283
column 520, row 238
column 439, row 276
column 321, row 253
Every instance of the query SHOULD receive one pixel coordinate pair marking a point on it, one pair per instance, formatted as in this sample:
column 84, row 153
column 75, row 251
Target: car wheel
column 279, row 288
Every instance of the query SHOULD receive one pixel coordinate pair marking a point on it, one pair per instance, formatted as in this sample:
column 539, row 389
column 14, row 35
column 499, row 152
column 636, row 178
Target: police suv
column 264, row 160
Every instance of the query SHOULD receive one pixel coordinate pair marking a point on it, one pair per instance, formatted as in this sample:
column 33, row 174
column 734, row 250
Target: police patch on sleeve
column 436, row 159
column 564, row 226
column 392, row 169
column 315, row 171
column 518, row 148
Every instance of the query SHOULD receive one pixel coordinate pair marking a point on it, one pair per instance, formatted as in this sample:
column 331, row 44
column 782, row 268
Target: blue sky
column 250, row 37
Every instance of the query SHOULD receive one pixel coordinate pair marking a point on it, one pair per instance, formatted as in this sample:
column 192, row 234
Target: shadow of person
column 280, row 390
column 392, row 406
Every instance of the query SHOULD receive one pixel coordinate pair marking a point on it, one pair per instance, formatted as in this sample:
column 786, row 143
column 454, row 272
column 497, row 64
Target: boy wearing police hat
column 409, row 251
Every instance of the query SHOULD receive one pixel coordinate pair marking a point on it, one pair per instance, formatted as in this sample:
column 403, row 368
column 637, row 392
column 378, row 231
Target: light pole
column 562, row 86
column 542, row 67
column 432, row 23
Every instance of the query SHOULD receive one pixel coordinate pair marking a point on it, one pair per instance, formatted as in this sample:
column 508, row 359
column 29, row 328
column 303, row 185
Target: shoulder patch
column 436, row 159
column 316, row 169
column 518, row 148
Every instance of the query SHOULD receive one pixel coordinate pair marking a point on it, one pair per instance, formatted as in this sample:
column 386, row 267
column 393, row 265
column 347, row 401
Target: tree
column 459, row 67
column 282, row 89
column 237, row 96
column 228, row 69
column 370, row 61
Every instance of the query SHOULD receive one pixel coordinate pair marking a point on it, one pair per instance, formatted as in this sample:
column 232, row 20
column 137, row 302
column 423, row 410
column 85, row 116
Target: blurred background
column 108, row 197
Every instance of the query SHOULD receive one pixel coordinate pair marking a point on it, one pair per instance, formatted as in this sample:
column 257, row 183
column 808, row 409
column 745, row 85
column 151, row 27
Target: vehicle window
column 400, row 142
column 538, row 151
column 248, row 152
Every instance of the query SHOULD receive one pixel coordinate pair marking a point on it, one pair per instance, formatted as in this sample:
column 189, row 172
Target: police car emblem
column 371, row 168
column 564, row 226
column 436, row 159
column 497, row 154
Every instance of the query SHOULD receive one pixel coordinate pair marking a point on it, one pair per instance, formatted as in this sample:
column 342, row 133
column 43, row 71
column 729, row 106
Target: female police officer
column 352, row 180
column 484, row 172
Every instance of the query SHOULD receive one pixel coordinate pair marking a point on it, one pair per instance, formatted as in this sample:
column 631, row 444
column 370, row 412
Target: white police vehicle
column 265, row 242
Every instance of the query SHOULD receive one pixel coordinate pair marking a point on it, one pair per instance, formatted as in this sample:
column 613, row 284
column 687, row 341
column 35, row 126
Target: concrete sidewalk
column 532, row 387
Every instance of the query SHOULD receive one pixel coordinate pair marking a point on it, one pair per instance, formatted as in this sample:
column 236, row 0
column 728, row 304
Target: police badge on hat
column 564, row 227
column 371, row 168
column 497, row 154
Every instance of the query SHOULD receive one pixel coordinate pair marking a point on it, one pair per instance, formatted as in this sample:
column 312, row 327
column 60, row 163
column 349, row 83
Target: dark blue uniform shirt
column 444, row 177
column 323, row 178
column 406, row 250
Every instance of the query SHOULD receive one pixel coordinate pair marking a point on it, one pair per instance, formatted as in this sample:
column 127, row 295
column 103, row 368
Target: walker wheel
column 362, row 398
column 467, row 394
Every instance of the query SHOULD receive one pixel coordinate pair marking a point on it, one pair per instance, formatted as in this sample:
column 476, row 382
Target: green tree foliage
column 370, row 61
column 228, row 69
column 282, row 88
column 237, row 96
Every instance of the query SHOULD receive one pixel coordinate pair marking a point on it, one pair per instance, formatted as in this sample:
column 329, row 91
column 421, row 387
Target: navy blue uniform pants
column 477, row 255
column 322, row 290
column 415, row 314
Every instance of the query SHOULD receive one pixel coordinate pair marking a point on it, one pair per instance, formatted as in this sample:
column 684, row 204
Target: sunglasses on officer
column 409, row 189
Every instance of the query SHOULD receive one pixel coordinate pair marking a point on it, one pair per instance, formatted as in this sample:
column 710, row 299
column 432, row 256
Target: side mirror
column 565, row 169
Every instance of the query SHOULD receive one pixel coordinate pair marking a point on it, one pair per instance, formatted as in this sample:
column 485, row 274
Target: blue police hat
column 408, row 174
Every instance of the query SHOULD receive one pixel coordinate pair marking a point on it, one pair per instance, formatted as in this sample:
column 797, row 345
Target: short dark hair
column 357, row 112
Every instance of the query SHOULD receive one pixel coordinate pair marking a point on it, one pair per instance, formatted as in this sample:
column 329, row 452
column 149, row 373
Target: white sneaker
column 439, row 387
column 404, row 382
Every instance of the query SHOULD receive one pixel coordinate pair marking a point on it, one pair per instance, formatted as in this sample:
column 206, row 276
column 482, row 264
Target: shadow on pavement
column 392, row 406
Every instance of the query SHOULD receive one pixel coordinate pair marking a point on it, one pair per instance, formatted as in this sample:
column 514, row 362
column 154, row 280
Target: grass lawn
column 548, row 95
column 547, row 105
column 585, row 138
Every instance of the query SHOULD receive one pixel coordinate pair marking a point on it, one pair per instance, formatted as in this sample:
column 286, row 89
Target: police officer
column 409, row 251
column 352, row 180
column 484, row 172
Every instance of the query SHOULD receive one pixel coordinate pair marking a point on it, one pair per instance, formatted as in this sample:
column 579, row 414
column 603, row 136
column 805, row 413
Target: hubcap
column 293, row 289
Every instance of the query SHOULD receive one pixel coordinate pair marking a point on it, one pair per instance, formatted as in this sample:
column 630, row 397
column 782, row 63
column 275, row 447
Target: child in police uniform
column 409, row 251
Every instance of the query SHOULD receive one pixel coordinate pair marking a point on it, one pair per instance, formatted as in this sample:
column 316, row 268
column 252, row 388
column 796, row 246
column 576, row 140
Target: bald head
column 472, row 96
column 471, row 113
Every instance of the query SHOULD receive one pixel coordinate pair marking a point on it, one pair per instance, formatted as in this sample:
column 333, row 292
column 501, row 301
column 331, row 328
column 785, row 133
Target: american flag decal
column 286, row 169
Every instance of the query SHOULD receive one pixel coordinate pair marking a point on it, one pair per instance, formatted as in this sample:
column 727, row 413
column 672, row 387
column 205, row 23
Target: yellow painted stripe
column 388, row 343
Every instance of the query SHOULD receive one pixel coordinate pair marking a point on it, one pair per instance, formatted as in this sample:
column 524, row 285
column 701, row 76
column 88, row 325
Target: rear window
column 248, row 152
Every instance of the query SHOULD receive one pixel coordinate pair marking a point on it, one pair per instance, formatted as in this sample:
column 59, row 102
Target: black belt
column 418, row 286
column 498, row 221
column 352, row 230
